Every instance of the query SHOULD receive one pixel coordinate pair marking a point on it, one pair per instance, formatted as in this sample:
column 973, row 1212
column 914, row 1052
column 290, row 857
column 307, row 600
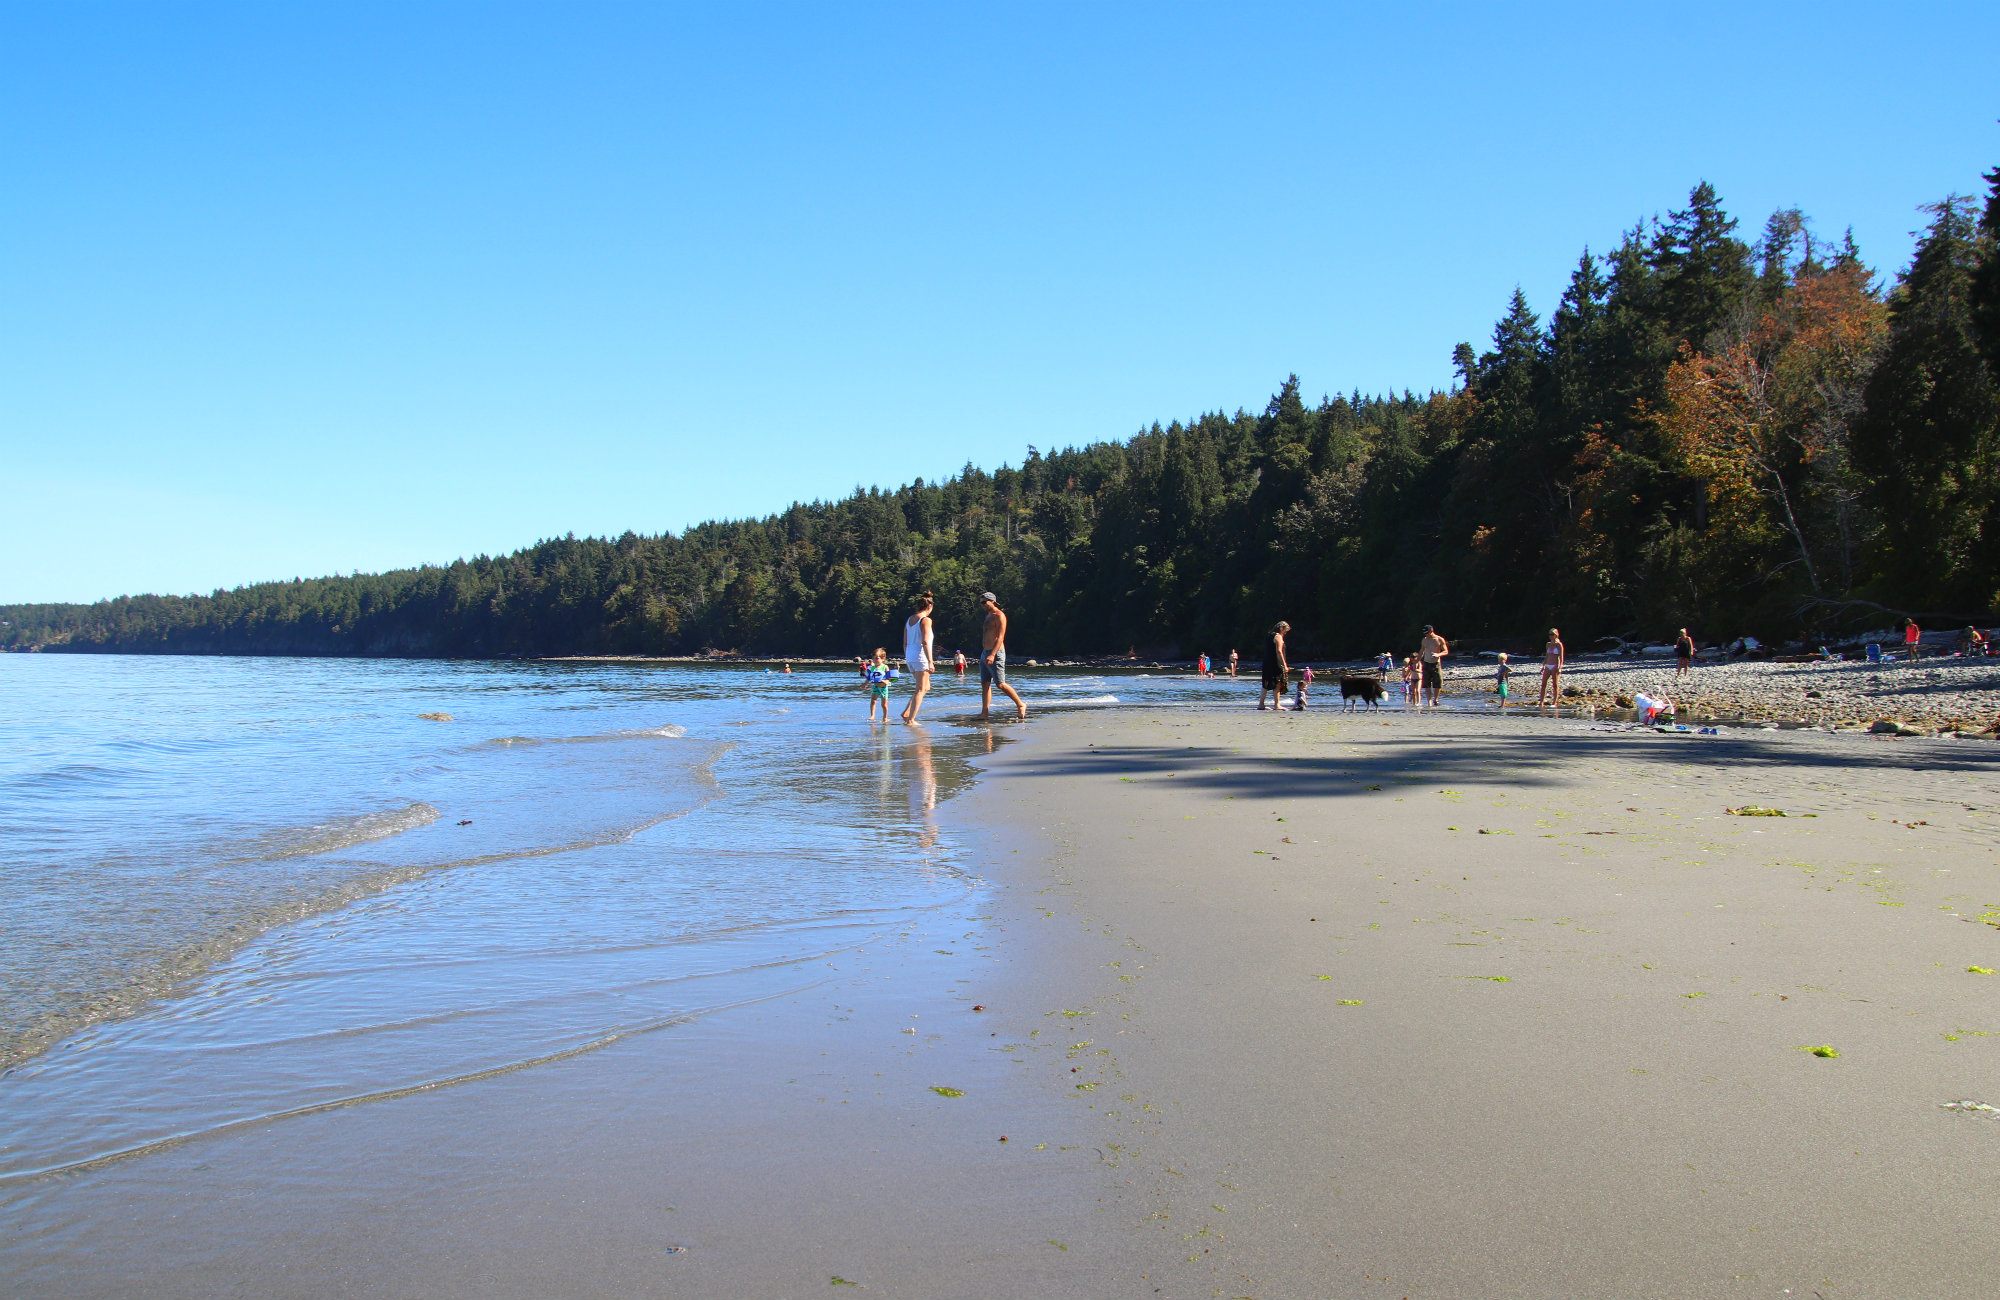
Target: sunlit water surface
column 233, row 889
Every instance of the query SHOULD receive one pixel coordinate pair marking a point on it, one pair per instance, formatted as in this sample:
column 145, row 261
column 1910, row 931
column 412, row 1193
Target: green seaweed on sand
column 1979, row 970
column 943, row 1091
column 1492, row 979
column 1696, row 994
column 838, row 1280
column 1350, row 1002
column 1322, row 977
column 1825, row 1051
column 1754, row 810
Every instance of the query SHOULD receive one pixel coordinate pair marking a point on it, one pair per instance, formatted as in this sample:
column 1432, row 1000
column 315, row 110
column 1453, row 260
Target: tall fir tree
column 1930, row 427
column 1986, row 277
column 1705, row 275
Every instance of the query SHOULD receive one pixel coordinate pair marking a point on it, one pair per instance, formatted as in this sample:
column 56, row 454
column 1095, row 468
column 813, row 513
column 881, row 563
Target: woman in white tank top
column 917, row 654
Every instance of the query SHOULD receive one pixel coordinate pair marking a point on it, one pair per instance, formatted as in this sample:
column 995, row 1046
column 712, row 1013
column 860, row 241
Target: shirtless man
column 993, row 659
column 1432, row 651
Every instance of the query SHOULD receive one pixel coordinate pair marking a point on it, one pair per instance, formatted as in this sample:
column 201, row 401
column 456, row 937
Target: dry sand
column 1251, row 1027
column 1451, row 1006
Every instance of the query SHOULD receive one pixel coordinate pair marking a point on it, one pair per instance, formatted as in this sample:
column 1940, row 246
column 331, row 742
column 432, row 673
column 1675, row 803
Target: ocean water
column 233, row 889
column 238, row 889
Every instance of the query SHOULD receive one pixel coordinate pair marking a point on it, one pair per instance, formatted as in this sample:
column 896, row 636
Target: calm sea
column 233, row 889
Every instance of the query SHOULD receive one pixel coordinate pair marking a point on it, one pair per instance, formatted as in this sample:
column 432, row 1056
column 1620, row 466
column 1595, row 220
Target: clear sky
column 303, row 288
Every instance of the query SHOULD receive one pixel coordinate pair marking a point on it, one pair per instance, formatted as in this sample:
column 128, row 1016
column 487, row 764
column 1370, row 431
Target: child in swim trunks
column 1500, row 676
column 879, row 674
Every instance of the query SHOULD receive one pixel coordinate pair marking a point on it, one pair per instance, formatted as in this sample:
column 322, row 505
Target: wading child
column 879, row 674
column 1410, row 679
column 1305, row 680
column 1500, row 676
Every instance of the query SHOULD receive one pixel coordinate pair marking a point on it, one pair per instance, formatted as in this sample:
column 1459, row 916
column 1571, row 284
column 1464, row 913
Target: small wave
column 69, row 776
column 667, row 731
column 1086, row 701
column 340, row 833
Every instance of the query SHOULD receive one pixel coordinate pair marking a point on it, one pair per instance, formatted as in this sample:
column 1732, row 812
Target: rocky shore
column 1939, row 695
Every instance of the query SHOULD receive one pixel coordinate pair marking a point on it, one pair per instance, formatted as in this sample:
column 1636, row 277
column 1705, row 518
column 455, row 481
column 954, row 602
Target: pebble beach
column 1940, row 695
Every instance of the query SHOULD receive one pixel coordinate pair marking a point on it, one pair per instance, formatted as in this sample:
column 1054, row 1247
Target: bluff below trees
column 1706, row 432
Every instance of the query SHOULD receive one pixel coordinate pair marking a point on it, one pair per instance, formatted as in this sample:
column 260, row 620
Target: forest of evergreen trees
column 1738, row 434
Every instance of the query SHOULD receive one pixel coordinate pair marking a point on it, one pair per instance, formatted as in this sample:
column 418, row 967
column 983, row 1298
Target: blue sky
column 312, row 288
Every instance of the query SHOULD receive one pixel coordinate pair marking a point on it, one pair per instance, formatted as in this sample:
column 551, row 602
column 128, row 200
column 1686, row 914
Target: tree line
column 1743, row 435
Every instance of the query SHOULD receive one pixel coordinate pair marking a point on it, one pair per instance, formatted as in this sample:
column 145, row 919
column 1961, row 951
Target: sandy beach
column 1456, row 1007
column 1356, row 1005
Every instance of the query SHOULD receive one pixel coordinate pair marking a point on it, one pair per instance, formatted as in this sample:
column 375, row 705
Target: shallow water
column 234, row 889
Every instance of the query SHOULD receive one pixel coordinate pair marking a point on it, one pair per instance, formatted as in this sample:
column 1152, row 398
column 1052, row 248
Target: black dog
column 1360, row 688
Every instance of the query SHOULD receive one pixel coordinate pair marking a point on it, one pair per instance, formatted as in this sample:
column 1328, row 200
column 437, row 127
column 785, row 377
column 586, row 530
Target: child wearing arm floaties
column 879, row 674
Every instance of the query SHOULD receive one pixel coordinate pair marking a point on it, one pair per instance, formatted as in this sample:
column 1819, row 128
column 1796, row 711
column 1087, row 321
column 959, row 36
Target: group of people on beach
column 920, row 660
column 1422, row 671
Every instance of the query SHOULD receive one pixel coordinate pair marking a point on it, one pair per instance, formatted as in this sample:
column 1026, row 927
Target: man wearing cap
column 1431, row 651
column 993, row 659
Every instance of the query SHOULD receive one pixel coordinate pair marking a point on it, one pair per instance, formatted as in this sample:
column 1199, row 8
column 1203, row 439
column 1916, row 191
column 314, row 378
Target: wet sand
column 1524, row 1021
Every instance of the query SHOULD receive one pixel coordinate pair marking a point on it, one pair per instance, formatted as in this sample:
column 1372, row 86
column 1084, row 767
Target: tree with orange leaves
column 1753, row 422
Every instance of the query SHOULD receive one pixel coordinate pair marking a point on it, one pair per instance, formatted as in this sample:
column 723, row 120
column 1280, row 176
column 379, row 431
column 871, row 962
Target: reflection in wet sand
column 921, row 786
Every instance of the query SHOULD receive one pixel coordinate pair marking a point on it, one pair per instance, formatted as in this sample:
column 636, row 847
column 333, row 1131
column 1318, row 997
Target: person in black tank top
column 1276, row 669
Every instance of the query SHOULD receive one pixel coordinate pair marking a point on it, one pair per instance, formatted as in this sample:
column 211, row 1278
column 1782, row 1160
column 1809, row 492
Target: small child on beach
column 1410, row 677
column 1305, row 680
column 1500, row 676
column 879, row 674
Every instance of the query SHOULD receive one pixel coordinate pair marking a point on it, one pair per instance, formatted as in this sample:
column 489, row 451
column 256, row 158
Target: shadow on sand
column 1503, row 760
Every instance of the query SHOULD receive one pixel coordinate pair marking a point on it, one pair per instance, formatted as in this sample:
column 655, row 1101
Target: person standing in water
column 917, row 654
column 958, row 663
column 1232, row 661
column 1552, row 672
column 1431, row 651
column 878, row 674
column 1201, row 665
column 993, row 659
column 1276, row 670
column 1502, row 675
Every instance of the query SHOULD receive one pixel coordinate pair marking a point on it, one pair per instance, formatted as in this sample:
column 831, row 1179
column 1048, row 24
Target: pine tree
column 1986, row 278
column 1704, row 270
column 1929, row 434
